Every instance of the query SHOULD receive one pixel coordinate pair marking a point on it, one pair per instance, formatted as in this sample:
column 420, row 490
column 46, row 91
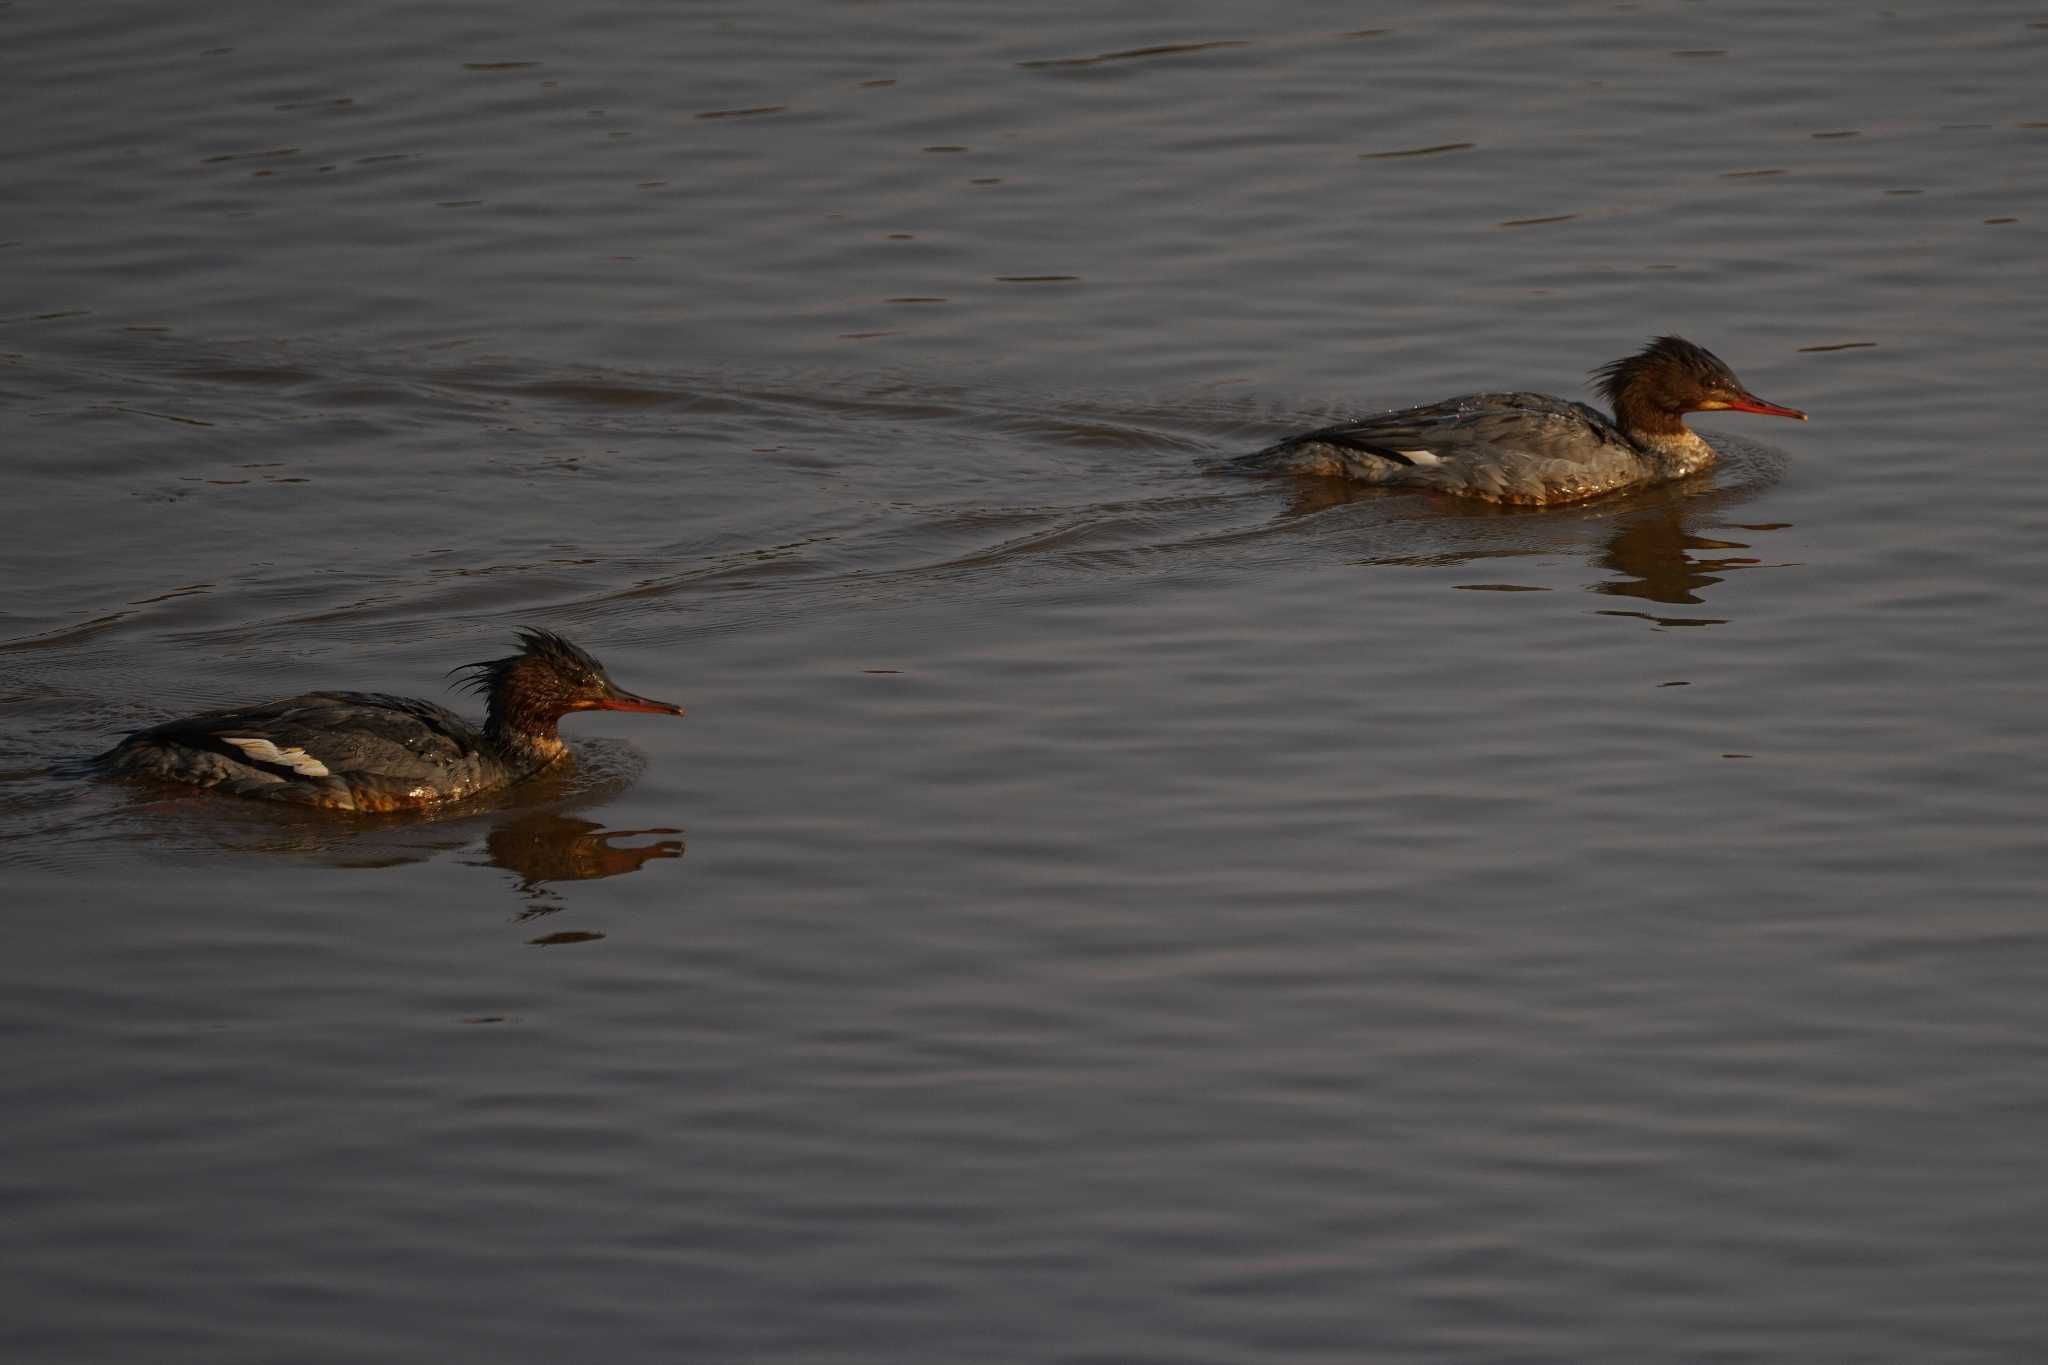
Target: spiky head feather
column 1667, row 367
column 531, row 690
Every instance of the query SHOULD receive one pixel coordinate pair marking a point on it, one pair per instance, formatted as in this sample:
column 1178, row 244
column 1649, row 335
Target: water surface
column 1094, row 910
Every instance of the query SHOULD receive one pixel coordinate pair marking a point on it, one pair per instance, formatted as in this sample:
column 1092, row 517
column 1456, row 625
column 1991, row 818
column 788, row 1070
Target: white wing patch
column 263, row 751
column 1422, row 456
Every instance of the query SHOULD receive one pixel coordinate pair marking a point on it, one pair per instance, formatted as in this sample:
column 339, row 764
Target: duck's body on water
column 368, row 751
column 1531, row 448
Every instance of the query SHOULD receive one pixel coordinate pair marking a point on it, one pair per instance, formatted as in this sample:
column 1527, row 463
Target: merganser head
column 1650, row 390
column 549, row 677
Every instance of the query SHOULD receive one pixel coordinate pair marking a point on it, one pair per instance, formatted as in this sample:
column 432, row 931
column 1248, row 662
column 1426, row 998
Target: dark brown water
column 1093, row 911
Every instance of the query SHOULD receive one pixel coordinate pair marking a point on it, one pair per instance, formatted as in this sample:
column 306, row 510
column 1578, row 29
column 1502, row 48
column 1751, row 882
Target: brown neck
column 1645, row 420
column 519, row 724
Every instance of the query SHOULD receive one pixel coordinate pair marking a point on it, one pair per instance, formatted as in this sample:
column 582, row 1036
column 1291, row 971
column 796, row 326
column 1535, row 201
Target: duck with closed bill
column 1531, row 448
column 369, row 751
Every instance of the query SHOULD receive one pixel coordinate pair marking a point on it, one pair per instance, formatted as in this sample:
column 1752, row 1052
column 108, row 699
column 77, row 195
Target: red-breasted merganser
column 1532, row 448
column 368, row 751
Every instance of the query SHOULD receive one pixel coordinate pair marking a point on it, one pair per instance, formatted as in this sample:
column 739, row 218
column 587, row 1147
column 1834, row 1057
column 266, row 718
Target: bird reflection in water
column 1658, row 560
column 546, row 846
column 1648, row 541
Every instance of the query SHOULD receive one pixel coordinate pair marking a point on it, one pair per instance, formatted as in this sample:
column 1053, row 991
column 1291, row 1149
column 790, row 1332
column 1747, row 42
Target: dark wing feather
column 313, row 748
column 1354, row 436
column 1459, row 431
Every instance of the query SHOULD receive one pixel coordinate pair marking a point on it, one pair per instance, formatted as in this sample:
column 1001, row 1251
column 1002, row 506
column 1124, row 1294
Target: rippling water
column 1095, row 910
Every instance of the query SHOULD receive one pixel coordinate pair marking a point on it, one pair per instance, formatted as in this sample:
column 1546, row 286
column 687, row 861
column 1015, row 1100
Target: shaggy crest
column 1662, row 358
column 531, row 690
column 572, row 664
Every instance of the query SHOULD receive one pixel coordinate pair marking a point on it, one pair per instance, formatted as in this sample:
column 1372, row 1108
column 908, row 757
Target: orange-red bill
column 1749, row 402
column 626, row 701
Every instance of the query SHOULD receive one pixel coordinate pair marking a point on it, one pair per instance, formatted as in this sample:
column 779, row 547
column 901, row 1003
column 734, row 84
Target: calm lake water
column 1094, row 911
